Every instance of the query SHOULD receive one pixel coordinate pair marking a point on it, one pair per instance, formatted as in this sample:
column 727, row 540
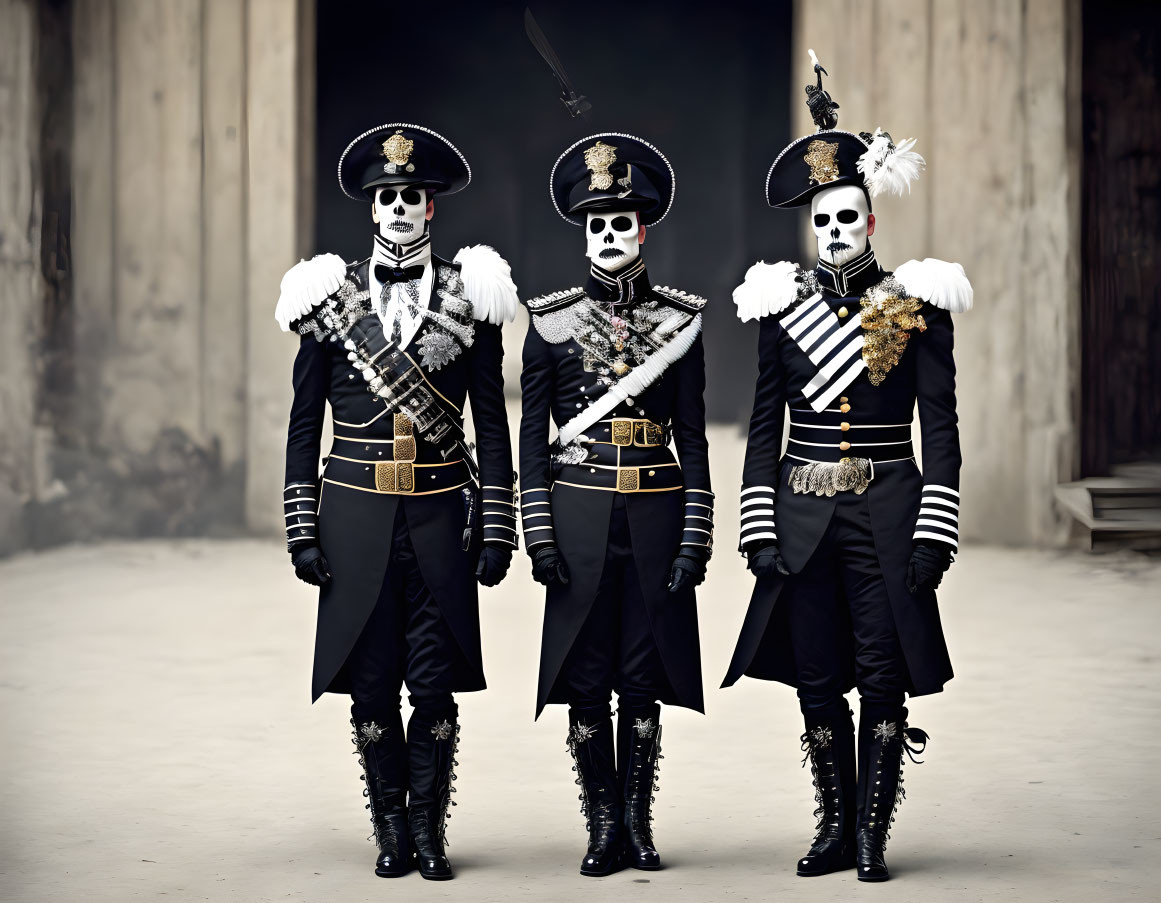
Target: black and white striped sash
column 834, row 347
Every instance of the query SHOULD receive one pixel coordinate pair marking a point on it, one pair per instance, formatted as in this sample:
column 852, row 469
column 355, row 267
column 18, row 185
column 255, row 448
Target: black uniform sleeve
column 536, row 380
column 693, row 450
column 493, row 442
column 764, row 444
column 935, row 390
column 307, row 411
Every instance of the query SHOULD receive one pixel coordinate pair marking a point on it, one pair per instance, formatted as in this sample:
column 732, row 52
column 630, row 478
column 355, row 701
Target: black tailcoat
column 355, row 519
column 875, row 420
column 672, row 506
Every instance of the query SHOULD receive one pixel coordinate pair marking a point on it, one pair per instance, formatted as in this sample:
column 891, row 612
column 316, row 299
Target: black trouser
column 615, row 649
column 405, row 639
column 838, row 605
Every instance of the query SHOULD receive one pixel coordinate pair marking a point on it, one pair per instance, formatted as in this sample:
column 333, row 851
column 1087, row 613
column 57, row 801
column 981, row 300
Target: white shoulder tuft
column 937, row 282
column 306, row 285
column 488, row 284
column 769, row 288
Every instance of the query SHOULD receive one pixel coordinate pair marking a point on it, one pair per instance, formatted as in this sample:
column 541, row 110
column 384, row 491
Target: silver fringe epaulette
column 554, row 301
column 684, row 300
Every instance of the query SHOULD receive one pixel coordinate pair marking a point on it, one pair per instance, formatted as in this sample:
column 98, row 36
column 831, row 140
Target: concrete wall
column 191, row 191
column 990, row 88
column 21, row 285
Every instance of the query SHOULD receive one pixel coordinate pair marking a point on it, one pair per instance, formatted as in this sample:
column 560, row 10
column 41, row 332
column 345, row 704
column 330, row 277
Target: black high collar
column 621, row 287
column 853, row 277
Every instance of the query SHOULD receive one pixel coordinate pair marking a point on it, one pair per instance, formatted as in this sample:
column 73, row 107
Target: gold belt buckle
column 621, row 431
column 394, row 476
column 403, row 448
column 628, row 479
column 650, row 434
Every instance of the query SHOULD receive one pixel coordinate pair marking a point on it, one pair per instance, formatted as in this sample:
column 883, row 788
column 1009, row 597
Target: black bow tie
column 386, row 274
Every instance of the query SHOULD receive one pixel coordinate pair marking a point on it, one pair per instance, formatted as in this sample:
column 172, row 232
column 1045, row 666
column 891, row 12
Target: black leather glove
column 766, row 561
column 494, row 564
column 310, row 566
column 686, row 571
column 548, row 566
column 929, row 561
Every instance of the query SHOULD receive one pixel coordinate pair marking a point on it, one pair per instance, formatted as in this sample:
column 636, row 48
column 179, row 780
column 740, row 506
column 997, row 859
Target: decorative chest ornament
column 889, row 315
column 885, row 730
column 820, row 157
column 437, row 349
column 598, row 159
column 645, row 727
column 582, row 732
column 371, row 732
column 441, row 730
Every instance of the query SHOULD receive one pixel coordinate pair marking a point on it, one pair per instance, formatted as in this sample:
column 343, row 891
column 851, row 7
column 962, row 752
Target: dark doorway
column 710, row 87
column 1121, row 228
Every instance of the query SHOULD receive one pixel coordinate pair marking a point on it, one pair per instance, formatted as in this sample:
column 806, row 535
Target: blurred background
column 163, row 162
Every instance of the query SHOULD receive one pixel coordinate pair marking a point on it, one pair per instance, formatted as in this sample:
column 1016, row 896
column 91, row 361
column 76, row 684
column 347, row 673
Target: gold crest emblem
column 598, row 159
column 820, row 157
column 397, row 149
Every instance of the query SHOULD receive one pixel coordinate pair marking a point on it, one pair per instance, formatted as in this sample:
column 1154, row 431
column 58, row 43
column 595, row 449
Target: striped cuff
column 939, row 516
column 757, row 514
column 301, row 503
column 698, row 529
column 499, row 516
column 536, row 516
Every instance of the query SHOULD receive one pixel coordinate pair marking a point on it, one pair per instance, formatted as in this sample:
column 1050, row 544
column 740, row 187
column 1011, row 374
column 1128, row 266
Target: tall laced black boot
column 432, row 742
column 829, row 744
column 383, row 756
column 884, row 739
column 591, row 745
column 638, row 757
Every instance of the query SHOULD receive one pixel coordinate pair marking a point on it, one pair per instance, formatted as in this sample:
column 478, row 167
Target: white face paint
column 401, row 212
column 839, row 219
column 613, row 239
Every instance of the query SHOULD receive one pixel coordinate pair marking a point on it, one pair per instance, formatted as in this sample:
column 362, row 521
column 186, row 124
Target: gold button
column 844, row 407
column 653, row 473
column 844, row 399
column 843, row 446
column 844, row 426
column 842, row 311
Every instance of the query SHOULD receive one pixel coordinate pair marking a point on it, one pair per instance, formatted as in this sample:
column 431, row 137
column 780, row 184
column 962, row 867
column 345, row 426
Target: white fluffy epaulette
column 488, row 284
column 769, row 288
column 306, row 285
column 937, row 282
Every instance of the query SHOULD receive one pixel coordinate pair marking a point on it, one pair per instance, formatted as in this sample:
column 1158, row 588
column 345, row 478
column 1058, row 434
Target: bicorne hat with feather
column 832, row 157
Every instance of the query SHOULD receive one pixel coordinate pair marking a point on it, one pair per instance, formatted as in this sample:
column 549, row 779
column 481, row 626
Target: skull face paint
column 840, row 219
column 401, row 213
column 613, row 239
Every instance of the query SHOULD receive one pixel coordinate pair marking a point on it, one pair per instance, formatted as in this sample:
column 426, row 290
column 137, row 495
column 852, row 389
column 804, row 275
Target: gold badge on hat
column 397, row 150
column 820, row 157
column 598, row 159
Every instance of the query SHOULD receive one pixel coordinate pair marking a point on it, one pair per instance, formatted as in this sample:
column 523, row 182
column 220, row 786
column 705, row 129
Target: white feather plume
column 488, row 284
column 634, row 383
column 937, row 281
column 769, row 288
column 306, row 285
column 889, row 168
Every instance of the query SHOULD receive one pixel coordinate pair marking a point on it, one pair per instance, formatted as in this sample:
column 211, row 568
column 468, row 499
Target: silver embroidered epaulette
column 554, row 301
column 684, row 300
column 808, row 286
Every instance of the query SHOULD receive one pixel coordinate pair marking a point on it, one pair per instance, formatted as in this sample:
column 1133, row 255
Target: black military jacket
column 378, row 465
column 848, row 356
column 572, row 366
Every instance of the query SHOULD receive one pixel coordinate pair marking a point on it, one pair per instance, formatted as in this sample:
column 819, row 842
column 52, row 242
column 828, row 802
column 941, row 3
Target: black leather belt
column 395, row 477
column 833, row 442
column 659, row 478
column 626, row 431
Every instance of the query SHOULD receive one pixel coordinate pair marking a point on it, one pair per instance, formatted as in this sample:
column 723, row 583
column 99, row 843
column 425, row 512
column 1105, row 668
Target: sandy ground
column 158, row 743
